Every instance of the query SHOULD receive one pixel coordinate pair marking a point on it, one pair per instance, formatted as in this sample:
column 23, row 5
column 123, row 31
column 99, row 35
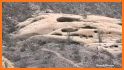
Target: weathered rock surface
column 54, row 25
column 6, row 63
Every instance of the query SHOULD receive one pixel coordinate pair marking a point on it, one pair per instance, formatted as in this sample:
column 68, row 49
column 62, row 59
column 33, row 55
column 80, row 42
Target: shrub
column 75, row 54
column 119, row 41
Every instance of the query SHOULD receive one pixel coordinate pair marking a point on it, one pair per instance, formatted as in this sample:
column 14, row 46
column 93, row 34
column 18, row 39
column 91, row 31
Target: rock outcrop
column 6, row 63
column 54, row 25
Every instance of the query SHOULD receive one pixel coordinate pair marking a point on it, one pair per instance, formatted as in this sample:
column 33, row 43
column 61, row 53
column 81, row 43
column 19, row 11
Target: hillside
column 51, row 37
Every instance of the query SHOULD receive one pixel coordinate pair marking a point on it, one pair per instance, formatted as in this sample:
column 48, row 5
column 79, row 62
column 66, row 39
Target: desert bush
column 75, row 54
column 32, row 46
column 22, row 63
column 12, row 56
column 16, row 57
column 22, row 49
column 61, row 46
column 119, row 55
column 107, row 53
column 94, row 57
column 119, row 41
column 37, row 56
column 11, row 49
column 11, row 9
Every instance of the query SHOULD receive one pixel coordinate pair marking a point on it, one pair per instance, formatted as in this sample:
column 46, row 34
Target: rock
column 6, row 63
column 79, row 27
